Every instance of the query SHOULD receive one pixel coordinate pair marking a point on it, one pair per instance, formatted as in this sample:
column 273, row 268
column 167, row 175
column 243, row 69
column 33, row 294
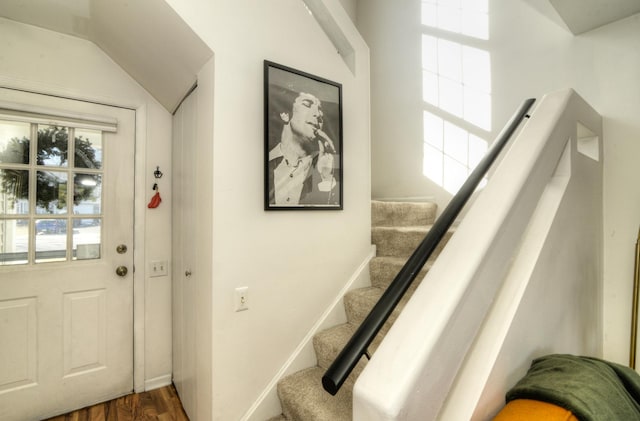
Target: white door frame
column 139, row 227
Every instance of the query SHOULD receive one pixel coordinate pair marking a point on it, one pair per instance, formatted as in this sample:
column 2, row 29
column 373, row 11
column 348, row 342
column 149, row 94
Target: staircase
column 397, row 229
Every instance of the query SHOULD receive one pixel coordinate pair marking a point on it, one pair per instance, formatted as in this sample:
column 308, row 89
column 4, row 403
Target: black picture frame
column 302, row 140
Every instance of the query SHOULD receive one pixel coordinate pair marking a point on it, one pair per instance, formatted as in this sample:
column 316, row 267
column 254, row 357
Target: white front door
column 66, row 254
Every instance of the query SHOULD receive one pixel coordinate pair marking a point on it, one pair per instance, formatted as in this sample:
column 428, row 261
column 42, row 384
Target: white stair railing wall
column 520, row 278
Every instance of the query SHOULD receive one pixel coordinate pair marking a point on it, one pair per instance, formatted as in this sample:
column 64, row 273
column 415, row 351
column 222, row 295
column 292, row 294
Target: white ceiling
column 158, row 49
column 145, row 37
column 584, row 15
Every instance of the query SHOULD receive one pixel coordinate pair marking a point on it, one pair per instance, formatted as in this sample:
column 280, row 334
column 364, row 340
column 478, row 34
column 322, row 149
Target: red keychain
column 156, row 199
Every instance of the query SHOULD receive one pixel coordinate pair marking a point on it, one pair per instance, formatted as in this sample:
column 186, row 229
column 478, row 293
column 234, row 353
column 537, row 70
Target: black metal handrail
column 357, row 346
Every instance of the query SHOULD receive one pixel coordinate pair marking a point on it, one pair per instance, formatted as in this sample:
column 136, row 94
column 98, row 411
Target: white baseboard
column 268, row 403
column 157, row 382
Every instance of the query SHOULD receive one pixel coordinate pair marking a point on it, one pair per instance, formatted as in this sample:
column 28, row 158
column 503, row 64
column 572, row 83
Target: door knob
column 122, row 271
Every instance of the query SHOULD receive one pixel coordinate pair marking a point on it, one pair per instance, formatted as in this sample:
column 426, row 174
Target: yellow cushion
column 530, row 410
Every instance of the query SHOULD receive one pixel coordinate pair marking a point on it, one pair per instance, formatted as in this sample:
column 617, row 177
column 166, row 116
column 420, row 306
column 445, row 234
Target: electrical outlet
column 242, row 298
column 158, row 268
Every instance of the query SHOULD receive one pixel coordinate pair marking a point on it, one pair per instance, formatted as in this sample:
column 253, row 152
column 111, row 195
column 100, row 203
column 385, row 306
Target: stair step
column 359, row 302
column 402, row 213
column 383, row 270
column 328, row 344
column 397, row 229
column 402, row 241
column 304, row 399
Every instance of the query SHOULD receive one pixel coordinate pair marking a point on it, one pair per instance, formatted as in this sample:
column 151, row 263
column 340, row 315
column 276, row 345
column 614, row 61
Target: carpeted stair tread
column 304, row 399
column 402, row 241
column 383, row 270
column 359, row 302
column 330, row 342
column 397, row 241
column 385, row 213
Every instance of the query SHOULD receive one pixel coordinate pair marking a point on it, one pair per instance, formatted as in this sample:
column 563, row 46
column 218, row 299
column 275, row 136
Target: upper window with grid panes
column 50, row 192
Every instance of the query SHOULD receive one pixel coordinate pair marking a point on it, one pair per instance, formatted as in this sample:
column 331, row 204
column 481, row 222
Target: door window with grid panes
column 51, row 177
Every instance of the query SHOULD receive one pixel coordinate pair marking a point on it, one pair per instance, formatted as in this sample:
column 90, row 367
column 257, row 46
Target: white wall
column 293, row 262
column 392, row 31
column 49, row 62
column 350, row 6
column 530, row 55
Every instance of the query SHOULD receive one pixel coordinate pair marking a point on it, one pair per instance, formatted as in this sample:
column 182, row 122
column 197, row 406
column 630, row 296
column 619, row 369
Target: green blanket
column 592, row 389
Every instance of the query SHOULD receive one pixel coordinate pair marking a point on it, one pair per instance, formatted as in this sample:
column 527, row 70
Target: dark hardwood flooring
column 160, row 404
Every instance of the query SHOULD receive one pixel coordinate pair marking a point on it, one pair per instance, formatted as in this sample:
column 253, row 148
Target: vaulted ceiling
column 145, row 37
column 159, row 50
column 584, row 15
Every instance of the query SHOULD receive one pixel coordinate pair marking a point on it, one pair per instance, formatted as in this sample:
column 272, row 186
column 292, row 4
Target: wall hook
column 157, row 173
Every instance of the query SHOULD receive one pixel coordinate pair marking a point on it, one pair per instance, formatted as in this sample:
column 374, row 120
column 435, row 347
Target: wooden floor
column 160, row 404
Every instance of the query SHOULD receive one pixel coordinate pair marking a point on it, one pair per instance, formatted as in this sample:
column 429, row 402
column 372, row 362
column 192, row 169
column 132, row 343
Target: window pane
column 86, row 239
column 51, row 192
column 53, row 146
column 451, row 96
column 455, row 174
column 477, row 150
column 450, row 18
column 475, row 24
column 449, row 3
column 51, row 240
column 14, row 192
column 450, row 60
column 88, row 152
column 430, row 53
column 477, row 108
column 14, row 241
column 14, row 142
column 87, row 190
column 476, row 5
column 430, row 87
column 455, row 142
column 432, row 164
column 432, row 130
column 476, row 64
column 429, row 14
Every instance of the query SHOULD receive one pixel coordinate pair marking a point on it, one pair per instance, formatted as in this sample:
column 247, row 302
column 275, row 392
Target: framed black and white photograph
column 302, row 141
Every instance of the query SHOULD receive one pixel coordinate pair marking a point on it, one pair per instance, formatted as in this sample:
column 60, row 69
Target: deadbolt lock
column 121, row 249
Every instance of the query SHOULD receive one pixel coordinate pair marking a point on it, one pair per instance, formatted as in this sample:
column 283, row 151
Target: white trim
column 46, row 89
column 359, row 278
column 139, row 255
column 31, row 114
column 157, row 382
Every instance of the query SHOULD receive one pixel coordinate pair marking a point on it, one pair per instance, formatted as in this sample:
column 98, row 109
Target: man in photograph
column 301, row 165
